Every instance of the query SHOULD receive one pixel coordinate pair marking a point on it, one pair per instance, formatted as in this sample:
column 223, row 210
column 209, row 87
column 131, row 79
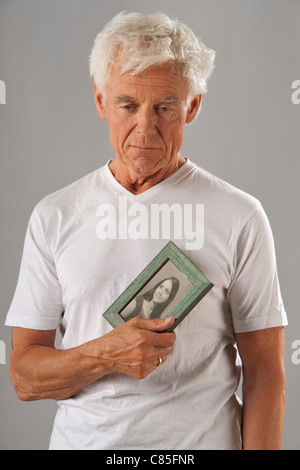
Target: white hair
column 138, row 41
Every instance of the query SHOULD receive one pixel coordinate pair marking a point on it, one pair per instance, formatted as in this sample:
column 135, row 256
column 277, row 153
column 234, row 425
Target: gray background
column 50, row 135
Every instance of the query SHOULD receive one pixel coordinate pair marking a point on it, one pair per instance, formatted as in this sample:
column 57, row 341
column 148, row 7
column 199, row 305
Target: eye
column 164, row 109
column 130, row 107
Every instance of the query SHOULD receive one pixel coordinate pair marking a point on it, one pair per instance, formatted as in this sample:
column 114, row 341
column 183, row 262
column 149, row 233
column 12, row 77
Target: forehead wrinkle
column 155, row 83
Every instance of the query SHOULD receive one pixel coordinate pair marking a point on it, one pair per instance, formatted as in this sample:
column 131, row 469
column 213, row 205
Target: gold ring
column 159, row 361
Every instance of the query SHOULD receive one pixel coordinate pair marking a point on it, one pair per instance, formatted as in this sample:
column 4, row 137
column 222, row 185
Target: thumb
column 155, row 324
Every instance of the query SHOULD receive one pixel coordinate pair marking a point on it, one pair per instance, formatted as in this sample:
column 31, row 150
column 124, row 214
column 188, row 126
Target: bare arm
column 39, row 371
column 262, row 354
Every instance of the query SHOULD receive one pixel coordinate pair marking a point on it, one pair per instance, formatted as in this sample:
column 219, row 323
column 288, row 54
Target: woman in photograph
column 153, row 303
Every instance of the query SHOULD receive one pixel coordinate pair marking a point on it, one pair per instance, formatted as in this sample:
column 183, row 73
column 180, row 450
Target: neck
column 135, row 181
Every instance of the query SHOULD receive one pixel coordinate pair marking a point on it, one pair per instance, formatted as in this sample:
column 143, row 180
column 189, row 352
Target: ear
column 99, row 102
column 193, row 109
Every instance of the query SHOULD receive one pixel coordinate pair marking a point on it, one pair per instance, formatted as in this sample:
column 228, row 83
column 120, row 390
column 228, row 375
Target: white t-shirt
column 87, row 242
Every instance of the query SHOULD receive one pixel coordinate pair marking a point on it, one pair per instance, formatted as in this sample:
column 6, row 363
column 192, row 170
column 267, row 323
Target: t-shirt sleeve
column 254, row 294
column 37, row 301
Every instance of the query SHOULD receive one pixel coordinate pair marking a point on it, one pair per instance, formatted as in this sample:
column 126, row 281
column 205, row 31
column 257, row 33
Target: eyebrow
column 130, row 99
column 124, row 98
column 170, row 99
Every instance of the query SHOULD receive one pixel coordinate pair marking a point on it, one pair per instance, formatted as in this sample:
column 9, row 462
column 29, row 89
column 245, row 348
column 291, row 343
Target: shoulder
column 70, row 193
column 72, row 199
column 58, row 214
column 222, row 196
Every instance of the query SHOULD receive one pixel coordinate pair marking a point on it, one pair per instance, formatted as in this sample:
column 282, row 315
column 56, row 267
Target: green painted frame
column 201, row 286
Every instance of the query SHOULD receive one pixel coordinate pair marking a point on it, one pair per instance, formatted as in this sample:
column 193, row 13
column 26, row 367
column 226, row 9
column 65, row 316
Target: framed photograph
column 170, row 286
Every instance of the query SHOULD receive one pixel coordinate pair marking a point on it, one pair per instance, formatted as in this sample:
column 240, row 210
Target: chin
column 148, row 163
column 144, row 167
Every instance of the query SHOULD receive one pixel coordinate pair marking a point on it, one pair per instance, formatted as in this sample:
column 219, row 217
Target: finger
column 155, row 324
column 161, row 344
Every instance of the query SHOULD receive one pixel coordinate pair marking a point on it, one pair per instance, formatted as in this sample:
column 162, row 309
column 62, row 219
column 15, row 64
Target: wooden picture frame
column 194, row 285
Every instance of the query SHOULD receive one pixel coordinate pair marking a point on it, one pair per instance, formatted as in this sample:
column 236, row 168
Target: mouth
column 144, row 148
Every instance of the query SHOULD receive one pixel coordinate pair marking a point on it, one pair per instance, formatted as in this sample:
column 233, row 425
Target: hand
column 134, row 347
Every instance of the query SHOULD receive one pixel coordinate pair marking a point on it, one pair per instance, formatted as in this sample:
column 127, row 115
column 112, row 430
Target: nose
column 147, row 121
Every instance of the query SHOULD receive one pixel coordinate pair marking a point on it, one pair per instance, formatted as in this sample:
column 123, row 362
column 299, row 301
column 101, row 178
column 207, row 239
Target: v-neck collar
column 154, row 190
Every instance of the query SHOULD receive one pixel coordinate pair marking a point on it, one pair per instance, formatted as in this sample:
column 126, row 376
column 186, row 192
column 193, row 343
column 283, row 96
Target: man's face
column 146, row 116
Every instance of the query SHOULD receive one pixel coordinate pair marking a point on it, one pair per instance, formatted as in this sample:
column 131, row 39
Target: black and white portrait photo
column 159, row 295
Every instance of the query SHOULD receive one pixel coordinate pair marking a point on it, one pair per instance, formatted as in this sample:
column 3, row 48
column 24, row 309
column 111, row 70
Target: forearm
column 47, row 373
column 39, row 371
column 263, row 415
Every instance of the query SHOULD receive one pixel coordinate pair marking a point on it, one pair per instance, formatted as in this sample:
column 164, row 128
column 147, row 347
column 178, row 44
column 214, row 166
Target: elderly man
column 149, row 75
